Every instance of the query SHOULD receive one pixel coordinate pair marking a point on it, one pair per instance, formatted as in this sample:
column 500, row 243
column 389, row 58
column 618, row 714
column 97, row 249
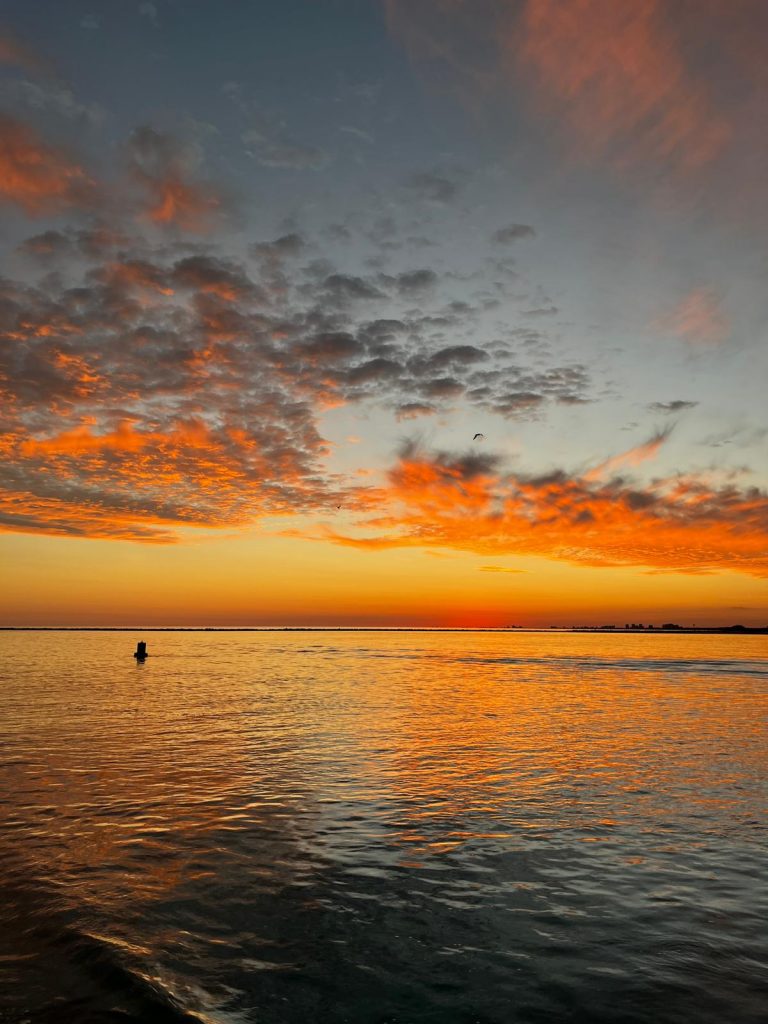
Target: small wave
column 688, row 666
column 63, row 972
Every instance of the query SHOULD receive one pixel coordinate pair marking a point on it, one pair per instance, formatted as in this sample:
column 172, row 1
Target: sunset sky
column 269, row 267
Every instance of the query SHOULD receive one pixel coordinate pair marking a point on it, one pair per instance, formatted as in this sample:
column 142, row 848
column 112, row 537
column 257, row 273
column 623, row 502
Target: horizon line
column 665, row 629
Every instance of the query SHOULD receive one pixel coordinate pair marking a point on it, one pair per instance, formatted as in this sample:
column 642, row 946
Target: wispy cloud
column 148, row 10
column 50, row 96
column 697, row 319
column 617, row 76
column 643, row 88
column 266, row 139
column 633, row 457
column 16, row 53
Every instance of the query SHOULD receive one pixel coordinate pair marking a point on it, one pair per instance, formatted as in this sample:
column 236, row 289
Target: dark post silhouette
column 141, row 651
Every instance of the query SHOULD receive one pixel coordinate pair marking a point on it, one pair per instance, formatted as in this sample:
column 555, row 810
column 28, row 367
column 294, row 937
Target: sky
column 374, row 312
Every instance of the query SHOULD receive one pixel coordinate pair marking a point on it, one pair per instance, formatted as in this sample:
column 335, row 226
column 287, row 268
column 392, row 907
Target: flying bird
column 479, row 437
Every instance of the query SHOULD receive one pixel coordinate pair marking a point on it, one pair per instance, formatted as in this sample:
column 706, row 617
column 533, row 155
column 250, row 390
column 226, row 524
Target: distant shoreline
column 655, row 631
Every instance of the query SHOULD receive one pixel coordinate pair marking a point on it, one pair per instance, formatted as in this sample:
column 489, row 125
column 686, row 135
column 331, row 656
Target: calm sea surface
column 383, row 827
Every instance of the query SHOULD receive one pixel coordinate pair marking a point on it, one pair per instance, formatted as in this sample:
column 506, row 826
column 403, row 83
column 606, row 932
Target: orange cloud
column 618, row 77
column 15, row 53
column 615, row 73
column 142, row 484
column 82, row 439
column 165, row 167
column 683, row 524
column 41, row 327
column 697, row 319
column 87, row 382
column 137, row 274
column 37, row 177
column 633, row 457
column 24, row 512
column 178, row 202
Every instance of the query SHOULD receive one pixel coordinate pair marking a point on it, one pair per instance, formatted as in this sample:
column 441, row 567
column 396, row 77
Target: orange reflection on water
column 128, row 777
column 341, row 746
column 536, row 733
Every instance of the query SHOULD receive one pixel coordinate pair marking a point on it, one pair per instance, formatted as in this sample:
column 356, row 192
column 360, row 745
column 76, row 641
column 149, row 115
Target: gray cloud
column 415, row 281
column 344, row 288
column 412, row 410
column 678, row 405
column 157, row 386
column 89, row 243
column 512, row 233
column 432, row 187
column 50, row 96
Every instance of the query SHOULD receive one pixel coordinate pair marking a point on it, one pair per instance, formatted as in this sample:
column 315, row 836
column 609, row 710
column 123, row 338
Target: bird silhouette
column 478, row 437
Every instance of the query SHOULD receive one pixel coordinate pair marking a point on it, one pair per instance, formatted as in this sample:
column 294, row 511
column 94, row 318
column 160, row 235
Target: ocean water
column 383, row 827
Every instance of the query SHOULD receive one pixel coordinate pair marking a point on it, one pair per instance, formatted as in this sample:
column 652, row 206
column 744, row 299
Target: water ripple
column 383, row 828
